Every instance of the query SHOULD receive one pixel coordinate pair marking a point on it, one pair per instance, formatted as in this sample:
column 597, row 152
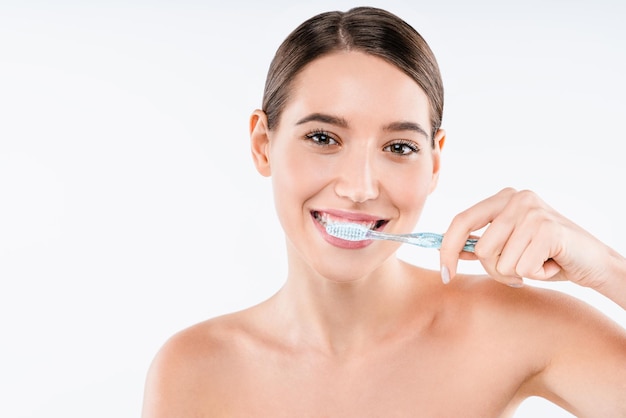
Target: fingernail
column 445, row 275
column 516, row 284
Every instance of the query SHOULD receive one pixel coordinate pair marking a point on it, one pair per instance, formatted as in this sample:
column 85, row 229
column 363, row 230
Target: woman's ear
column 260, row 142
column 439, row 140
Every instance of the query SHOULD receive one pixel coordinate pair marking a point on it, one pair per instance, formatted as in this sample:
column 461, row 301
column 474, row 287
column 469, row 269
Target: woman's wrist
column 614, row 285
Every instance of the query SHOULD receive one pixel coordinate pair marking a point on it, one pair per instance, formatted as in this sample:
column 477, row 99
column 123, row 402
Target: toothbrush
column 356, row 232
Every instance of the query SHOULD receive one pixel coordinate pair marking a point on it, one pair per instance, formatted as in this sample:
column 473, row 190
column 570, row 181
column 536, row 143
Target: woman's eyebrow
column 406, row 126
column 341, row 122
column 322, row 117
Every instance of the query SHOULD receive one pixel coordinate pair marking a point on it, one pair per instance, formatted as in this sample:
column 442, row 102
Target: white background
column 129, row 206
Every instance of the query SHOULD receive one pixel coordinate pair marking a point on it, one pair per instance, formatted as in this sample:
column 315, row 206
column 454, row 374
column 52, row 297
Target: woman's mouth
column 324, row 218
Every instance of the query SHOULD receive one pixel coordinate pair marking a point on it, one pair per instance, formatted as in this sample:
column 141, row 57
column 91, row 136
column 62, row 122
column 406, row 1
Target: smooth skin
column 356, row 332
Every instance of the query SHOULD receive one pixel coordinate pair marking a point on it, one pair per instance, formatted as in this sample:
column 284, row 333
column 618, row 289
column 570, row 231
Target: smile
column 325, row 218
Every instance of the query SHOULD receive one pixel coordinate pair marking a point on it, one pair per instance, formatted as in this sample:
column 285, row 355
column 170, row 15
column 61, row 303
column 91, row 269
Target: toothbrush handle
column 423, row 239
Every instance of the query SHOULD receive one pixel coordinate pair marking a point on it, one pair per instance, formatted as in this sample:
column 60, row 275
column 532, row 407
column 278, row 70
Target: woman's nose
column 357, row 179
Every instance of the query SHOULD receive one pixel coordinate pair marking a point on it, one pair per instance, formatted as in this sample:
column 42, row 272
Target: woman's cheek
column 303, row 175
column 410, row 188
column 295, row 180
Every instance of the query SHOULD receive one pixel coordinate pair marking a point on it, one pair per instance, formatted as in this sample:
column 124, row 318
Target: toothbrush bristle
column 347, row 231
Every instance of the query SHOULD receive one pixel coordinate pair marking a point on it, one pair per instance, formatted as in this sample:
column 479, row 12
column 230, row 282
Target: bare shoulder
column 198, row 345
column 191, row 366
column 566, row 342
column 537, row 315
column 536, row 306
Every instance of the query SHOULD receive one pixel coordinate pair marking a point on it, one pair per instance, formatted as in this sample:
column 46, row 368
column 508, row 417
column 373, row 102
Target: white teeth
column 326, row 219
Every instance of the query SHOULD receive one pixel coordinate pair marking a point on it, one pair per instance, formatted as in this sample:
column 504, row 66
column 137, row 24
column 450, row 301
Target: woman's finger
column 466, row 222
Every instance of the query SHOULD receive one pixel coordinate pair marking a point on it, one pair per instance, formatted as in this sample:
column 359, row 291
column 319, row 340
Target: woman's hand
column 527, row 238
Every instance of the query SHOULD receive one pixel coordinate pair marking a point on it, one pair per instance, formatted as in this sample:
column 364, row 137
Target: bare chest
column 423, row 381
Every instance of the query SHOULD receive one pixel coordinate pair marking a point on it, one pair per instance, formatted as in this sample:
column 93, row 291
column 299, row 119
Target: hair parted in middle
column 369, row 30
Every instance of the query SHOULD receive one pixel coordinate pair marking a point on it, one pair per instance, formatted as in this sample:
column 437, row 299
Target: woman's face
column 352, row 145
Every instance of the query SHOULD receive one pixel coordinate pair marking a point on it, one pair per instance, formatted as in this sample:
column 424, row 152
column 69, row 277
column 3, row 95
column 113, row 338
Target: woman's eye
column 321, row 138
column 402, row 148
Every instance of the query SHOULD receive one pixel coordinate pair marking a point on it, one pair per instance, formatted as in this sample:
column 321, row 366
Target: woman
column 350, row 131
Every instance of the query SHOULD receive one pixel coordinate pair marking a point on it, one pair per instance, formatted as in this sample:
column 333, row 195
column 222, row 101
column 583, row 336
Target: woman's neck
column 342, row 317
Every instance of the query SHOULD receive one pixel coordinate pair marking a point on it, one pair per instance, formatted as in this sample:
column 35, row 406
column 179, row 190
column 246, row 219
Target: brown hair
column 366, row 29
